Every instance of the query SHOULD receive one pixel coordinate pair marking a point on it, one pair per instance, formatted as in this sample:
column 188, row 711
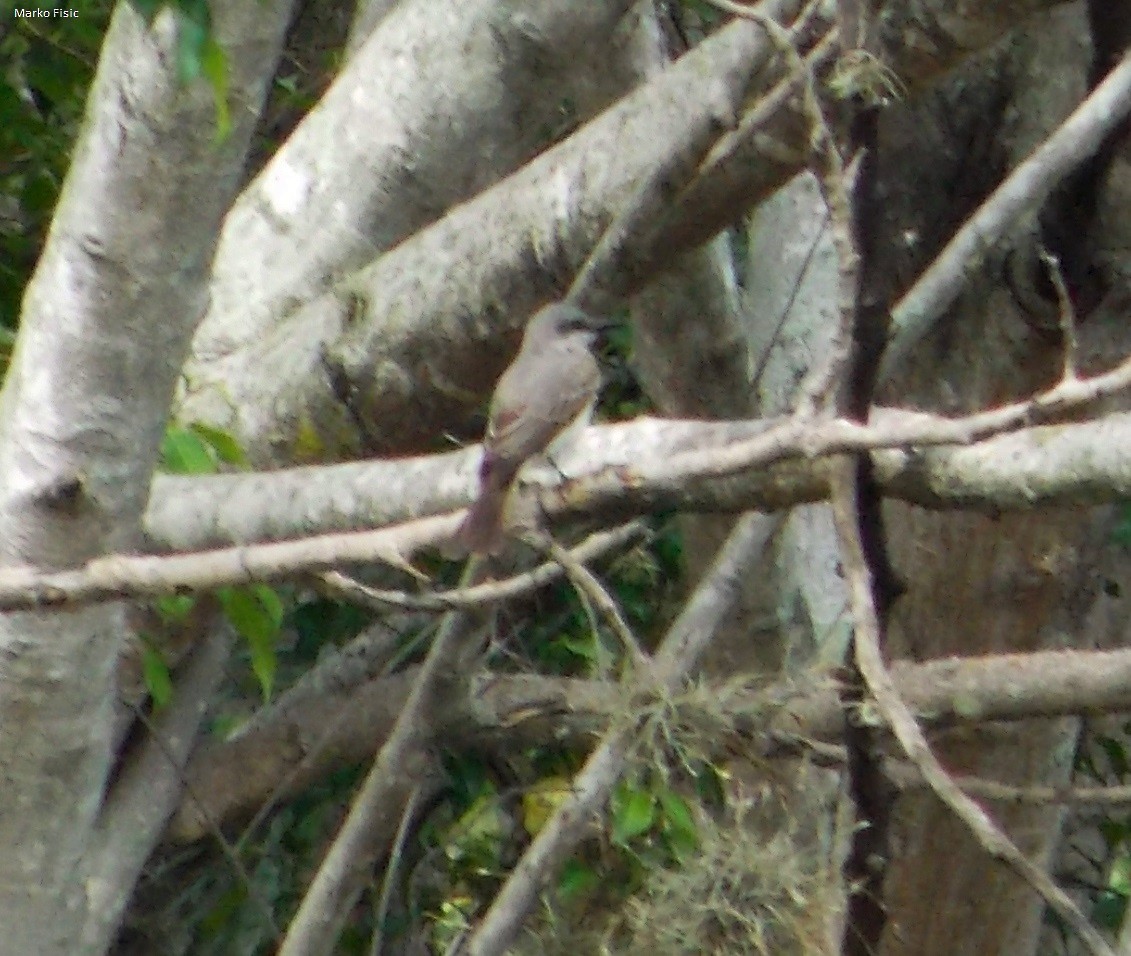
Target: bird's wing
column 533, row 403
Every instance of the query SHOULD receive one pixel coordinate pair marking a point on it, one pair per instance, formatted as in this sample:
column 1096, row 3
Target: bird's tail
column 482, row 529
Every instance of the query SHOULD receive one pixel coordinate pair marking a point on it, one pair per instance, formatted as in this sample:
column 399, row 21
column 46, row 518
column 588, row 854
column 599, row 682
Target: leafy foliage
column 1103, row 760
column 155, row 673
column 256, row 611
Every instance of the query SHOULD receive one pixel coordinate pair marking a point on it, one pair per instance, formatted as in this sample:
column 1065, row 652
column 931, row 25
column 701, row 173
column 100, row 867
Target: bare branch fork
column 489, row 592
column 337, row 885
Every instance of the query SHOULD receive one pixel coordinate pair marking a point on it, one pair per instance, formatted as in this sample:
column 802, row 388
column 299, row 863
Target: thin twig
column 376, row 809
column 1066, row 313
column 906, row 776
column 586, row 583
column 479, row 595
column 834, row 183
column 768, row 106
column 381, row 911
column 797, row 437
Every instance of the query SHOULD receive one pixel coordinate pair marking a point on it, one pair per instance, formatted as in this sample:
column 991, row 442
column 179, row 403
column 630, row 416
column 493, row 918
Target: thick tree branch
column 427, row 137
column 1049, row 464
column 1085, row 462
column 418, row 314
column 423, row 117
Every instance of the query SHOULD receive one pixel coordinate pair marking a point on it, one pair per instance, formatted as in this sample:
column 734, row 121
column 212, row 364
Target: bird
column 545, row 396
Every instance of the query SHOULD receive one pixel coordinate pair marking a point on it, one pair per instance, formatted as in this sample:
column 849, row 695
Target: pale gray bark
column 108, row 319
column 1084, row 463
column 367, row 16
column 791, row 294
column 106, row 325
column 148, row 790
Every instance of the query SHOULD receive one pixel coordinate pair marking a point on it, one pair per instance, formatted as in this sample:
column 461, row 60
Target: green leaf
column 257, row 614
column 1121, row 533
column 1116, row 755
column 183, row 452
column 634, row 812
column 223, row 443
column 1119, row 879
column 710, row 785
column 1109, row 910
column 215, row 66
column 1113, row 831
column 174, row 608
column 541, row 801
column 678, row 823
column 264, row 665
column 224, row 726
column 192, row 40
column 577, row 879
column 155, row 673
column 584, row 647
column 256, row 611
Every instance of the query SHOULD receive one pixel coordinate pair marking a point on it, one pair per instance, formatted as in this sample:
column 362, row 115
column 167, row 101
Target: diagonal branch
column 150, row 788
column 378, row 806
column 489, row 263
column 1023, row 190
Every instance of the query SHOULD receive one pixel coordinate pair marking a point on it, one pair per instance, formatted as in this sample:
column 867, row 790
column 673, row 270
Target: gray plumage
column 551, row 382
